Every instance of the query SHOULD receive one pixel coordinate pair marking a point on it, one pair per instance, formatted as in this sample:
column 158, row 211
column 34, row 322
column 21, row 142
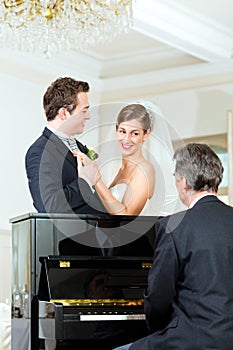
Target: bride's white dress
column 154, row 206
column 118, row 192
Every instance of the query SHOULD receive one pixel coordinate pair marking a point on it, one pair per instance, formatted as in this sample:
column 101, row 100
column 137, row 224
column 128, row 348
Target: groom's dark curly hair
column 62, row 93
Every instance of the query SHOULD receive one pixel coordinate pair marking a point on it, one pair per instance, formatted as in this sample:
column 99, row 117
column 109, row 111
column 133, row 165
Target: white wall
column 5, row 263
column 22, row 120
column 198, row 112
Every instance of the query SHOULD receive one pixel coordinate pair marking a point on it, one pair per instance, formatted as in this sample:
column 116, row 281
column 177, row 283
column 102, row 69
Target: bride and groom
column 143, row 183
column 60, row 178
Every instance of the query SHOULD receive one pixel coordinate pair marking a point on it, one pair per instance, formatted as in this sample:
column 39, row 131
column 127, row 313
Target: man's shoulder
column 38, row 146
column 173, row 221
column 41, row 140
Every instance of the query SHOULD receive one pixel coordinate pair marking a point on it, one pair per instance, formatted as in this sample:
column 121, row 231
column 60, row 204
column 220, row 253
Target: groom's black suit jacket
column 53, row 178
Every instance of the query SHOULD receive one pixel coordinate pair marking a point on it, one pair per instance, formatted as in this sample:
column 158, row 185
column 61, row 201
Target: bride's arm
column 88, row 170
column 111, row 204
column 139, row 189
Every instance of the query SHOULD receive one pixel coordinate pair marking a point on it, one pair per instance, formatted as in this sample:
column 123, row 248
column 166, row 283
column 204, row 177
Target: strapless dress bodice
column 118, row 192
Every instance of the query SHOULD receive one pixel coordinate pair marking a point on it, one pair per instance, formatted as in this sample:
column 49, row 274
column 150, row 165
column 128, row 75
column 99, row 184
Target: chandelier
column 50, row 26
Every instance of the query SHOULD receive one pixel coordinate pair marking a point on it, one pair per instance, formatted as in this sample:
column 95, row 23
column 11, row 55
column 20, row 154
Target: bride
column 139, row 186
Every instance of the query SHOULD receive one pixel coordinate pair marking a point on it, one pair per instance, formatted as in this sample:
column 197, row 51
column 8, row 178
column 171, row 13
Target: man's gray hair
column 200, row 166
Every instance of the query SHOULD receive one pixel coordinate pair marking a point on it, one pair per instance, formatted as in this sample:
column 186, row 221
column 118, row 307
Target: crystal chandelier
column 50, row 26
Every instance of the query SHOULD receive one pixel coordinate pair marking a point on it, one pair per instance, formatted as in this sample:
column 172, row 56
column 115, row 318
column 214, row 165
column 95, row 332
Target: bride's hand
column 87, row 168
column 89, row 171
column 82, row 159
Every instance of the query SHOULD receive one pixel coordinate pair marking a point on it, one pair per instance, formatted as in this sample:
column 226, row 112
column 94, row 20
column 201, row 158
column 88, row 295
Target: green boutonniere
column 91, row 153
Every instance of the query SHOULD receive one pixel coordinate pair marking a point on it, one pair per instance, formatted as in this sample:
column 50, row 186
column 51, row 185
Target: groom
column 51, row 167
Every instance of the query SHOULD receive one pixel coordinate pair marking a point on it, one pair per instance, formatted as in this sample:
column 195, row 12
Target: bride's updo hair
column 138, row 112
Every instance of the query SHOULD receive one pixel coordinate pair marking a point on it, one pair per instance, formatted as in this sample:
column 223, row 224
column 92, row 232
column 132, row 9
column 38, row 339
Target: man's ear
column 62, row 113
column 185, row 184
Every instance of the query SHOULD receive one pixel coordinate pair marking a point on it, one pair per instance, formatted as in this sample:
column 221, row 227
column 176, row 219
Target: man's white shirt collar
column 56, row 132
column 63, row 137
column 200, row 197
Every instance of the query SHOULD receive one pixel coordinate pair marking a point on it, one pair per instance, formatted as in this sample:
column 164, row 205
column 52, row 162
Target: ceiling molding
column 183, row 29
column 40, row 70
column 167, row 80
column 153, row 59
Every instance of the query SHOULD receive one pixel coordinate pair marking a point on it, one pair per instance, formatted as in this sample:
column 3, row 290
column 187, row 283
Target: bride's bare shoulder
column 146, row 166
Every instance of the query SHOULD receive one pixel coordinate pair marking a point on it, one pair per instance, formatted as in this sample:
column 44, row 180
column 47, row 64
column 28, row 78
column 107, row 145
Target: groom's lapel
column 54, row 141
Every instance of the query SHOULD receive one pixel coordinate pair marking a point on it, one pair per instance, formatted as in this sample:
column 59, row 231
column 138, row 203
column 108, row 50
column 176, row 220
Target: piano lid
column 90, row 281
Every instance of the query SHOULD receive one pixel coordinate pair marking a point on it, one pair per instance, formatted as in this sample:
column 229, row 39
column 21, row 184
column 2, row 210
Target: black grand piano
column 84, row 294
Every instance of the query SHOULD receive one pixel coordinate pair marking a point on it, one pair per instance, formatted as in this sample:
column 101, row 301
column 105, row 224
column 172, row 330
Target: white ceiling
column 174, row 44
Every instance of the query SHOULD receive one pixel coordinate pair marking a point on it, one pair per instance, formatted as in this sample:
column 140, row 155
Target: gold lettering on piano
column 64, row 263
column 99, row 302
column 146, row 265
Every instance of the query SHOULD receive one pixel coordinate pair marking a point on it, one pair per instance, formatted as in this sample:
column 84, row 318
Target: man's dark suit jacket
column 53, row 178
column 189, row 301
